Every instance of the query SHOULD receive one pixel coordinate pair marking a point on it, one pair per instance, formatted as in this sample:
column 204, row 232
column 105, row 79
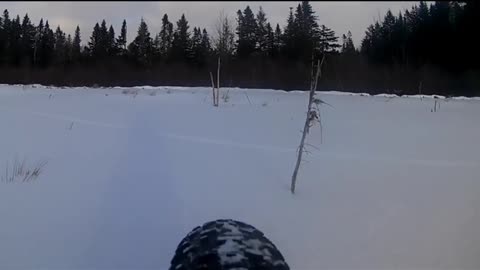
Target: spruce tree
column 27, row 40
column 76, row 45
column 122, row 39
column 277, row 40
column 95, row 43
column 261, row 32
column 166, row 37
column 181, row 45
column 347, row 46
column 141, row 47
column 111, row 43
column 270, row 41
column 68, row 49
column 246, row 32
column 328, row 42
column 206, row 47
column 197, row 54
column 47, row 44
column 59, row 47
column 290, row 37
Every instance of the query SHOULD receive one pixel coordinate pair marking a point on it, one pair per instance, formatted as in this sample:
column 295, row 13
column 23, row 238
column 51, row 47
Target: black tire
column 226, row 244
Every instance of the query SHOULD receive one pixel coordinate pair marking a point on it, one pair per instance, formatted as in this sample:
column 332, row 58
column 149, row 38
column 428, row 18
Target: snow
column 392, row 185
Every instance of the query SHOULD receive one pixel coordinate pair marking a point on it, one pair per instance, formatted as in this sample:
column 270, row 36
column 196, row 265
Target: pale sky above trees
column 339, row 16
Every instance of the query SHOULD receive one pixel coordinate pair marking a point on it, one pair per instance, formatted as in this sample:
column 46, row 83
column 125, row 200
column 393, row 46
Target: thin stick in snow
column 306, row 127
column 218, row 80
column 213, row 89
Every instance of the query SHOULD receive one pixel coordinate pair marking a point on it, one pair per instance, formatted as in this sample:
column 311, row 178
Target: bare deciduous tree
column 223, row 40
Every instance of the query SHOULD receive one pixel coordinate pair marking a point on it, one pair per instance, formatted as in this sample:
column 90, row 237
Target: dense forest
column 426, row 49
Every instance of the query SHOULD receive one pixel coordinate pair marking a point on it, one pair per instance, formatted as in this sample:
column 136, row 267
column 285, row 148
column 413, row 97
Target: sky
column 339, row 16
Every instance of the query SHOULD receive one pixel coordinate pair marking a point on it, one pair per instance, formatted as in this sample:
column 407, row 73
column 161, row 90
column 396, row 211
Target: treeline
column 427, row 49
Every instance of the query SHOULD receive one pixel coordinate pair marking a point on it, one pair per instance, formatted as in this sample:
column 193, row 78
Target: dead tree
column 312, row 116
column 216, row 90
column 218, row 79
column 213, row 90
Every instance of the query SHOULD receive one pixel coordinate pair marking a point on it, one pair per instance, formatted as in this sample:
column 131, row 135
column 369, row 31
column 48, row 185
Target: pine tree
column 37, row 45
column 59, row 47
column 181, row 45
column 6, row 35
column 270, row 42
column 3, row 39
column 197, row 53
column 76, row 45
column 141, row 47
column 206, row 47
column 103, row 44
column 247, row 33
column 111, row 43
column 290, row 37
column 261, row 32
column 27, row 40
column 277, row 40
column 305, row 41
column 47, row 44
column 165, row 36
column 95, row 43
column 348, row 47
column 156, row 47
column 122, row 39
column 14, row 50
column 328, row 42
column 68, row 49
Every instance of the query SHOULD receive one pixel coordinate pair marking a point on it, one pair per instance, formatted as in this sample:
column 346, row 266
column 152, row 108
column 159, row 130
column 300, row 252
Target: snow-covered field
column 392, row 185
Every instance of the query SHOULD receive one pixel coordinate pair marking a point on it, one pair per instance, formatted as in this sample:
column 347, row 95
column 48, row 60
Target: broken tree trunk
column 306, row 127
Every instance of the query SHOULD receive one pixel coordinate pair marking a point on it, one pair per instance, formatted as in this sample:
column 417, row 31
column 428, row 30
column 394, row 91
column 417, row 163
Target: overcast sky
column 340, row 16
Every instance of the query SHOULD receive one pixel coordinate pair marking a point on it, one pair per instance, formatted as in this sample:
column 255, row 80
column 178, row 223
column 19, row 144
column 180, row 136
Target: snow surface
column 392, row 185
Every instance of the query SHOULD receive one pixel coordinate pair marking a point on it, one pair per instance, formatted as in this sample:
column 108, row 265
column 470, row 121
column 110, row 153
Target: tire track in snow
column 279, row 149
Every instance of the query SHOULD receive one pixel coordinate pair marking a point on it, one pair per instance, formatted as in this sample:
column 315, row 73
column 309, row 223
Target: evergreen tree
column 95, row 43
column 141, row 48
column 277, row 40
column 111, row 43
column 348, row 47
column 47, row 44
column 37, row 44
column 181, row 45
column 165, row 36
column 27, row 40
column 69, row 49
column 122, row 39
column 6, row 29
column 206, row 47
column 76, row 45
column 307, row 35
column 289, row 37
column 328, row 41
column 103, row 40
column 270, row 42
column 15, row 42
column 262, row 32
column 198, row 56
column 59, row 46
column 246, row 32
